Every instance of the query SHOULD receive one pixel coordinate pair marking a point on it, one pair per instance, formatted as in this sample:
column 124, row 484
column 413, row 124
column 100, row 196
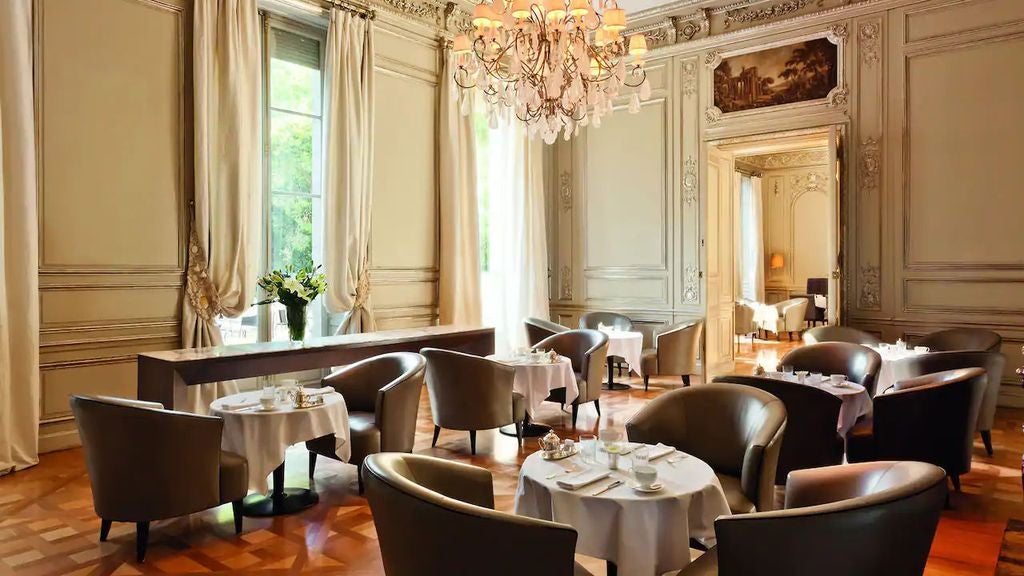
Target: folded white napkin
column 659, row 450
column 232, row 406
column 319, row 391
column 582, row 479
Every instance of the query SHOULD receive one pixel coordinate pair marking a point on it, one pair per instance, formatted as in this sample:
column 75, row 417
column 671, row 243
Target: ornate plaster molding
column 658, row 34
column 869, row 36
column 837, row 34
column 566, row 282
column 690, row 78
column 690, row 181
column 691, row 288
column 565, row 190
column 778, row 10
column 792, row 159
column 713, row 58
column 693, row 26
column 870, row 284
column 870, row 165
column 838, row 97
column 712, row 115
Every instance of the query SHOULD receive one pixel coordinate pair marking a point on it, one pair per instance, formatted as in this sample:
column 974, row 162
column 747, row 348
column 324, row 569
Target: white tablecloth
column 627, row 345
column 893, row 366
column 856, row 401
column 535, row 381
column 263, row 437
column 643, row 534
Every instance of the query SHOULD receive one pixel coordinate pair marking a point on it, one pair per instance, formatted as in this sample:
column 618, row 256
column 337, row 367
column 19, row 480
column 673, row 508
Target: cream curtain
column 516, row 282
column 348, row 183
column 223, row 258
column 459, row 282
column 19, row 287
column 757, row 209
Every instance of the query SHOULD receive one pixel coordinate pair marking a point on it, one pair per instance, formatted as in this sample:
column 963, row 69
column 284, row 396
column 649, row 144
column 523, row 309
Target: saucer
column 657, row 486
column 260, row 408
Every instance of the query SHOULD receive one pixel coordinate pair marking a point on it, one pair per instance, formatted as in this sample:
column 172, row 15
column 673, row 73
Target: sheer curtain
column 515, row 283
column 751, row 257
column 459, row 282
column 19, row 287
column 223, row 252
column 348, row 183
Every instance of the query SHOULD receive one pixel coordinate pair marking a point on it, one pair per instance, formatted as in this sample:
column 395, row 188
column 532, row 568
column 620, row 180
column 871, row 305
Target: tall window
column 293, row 110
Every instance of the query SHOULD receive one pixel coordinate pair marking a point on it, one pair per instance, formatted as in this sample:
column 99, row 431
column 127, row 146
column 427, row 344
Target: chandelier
column 559, row 64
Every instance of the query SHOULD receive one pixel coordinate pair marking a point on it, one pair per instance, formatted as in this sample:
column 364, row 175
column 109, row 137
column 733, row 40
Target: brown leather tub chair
column 146, row 464
column 587, row 350
column 436, row 516
column 993, row 364
column 538, row 329
column 854, row 520
column 839, row 334
column 593, row 320
column 736, row 429
column 471, row 393
column 860, row 364
column 675, row 351
column 962, row 339
column 929, row 419
column 812, row 415
column 383, row 399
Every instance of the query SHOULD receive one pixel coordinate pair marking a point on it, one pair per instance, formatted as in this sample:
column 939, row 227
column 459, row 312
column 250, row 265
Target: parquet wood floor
column 47, row 524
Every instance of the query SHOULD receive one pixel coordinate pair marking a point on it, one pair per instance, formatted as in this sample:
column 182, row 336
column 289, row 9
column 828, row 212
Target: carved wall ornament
column 712, row 59
column 689, row 78
column 791, row 159
column 456, row 20
column 870, row 164
column 566, row 282
column 837, row 33
column 689, row 28
column 838, row 97
column 812, row 181
column 691, row 289
column 712, row 115
column 423, row 9
column 869, row 288
column 747, row 15
column 690, row 181
column 565, row 190
column 868, row 36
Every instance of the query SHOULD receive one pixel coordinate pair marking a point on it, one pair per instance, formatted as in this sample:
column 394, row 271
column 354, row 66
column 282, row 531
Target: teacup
column 838, row 379
column 268, row 402
column 921, row 349
column 646, row 475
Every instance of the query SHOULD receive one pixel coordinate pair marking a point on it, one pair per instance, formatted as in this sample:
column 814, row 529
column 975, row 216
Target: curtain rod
column 363, row 11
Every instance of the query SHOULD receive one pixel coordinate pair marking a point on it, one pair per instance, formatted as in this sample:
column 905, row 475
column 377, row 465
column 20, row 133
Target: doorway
column 773, row 238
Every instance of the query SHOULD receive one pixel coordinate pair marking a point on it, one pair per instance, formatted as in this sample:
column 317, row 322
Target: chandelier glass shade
column 557, row 65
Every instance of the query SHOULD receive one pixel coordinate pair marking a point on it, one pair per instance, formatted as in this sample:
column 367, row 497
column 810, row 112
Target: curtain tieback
column 200, row 289
column 362, row 286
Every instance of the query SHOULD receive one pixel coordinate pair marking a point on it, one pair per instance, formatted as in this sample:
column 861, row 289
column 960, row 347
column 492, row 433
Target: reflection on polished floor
column 47, row 524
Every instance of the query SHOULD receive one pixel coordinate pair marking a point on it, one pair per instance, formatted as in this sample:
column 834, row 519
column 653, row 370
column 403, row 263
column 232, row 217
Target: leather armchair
column 587, row 350
column 424, row 506
column 593, row 320
column 820, row 334
column 471, row 393
column 858, row 363
column 811, row 417
column 736, row 429
column 992, row 362
column 852, row 520
column 790, row 317
column 146, row 463
column 675, row 351
column 744, row 323
column 383, row 399
column 962, row 339
column 929, row 419
column 538, row 329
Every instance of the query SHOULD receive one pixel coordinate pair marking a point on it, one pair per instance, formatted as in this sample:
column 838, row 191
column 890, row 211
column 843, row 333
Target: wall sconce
column 777, row 261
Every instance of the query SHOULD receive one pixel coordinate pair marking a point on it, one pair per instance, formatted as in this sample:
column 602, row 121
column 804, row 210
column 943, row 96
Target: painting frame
column 837, row 97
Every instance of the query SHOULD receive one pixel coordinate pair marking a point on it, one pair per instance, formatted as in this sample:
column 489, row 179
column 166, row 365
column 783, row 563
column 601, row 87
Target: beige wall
column 930, row 199
column 114, row 117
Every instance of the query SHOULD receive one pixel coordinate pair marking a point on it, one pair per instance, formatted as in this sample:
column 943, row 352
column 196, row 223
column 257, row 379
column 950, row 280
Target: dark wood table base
column 612, row 384
column 281, row 500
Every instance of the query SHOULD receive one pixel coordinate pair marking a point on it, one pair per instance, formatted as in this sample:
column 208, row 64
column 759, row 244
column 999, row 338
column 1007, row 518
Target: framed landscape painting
column 793, row 73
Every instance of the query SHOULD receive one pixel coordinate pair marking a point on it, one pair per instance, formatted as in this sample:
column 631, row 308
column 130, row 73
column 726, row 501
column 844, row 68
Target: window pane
column 291, row 231
column 295, row 82
column 292, row 141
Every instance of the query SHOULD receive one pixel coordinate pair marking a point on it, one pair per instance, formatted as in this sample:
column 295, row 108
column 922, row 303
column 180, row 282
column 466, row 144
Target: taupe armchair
column 790, row 318
column 146, row 463
column 993, row 364
column 675, row 351
column 744, row 322
column 538, row 329
column 853, row 520
column 436, row 516
column 929, row 419
column 962, row 339
column 736, row 429
column 833, row 333
column 471, row 393
column 860, row 364
column 594, row 320
column 587, row 350
column 812, row 415
column 383, row 399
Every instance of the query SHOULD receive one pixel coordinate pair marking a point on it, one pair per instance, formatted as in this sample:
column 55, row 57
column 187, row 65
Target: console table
column 165, row 375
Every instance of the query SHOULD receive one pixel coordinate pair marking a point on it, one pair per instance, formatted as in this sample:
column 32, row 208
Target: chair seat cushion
column 649, row 361
column 518, row 407
column 860, row 441
column 706, row 565
column 234, row 476
column 364, row 438
column 738, row 501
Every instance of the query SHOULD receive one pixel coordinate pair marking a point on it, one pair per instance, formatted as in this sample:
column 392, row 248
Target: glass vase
column 296, row 322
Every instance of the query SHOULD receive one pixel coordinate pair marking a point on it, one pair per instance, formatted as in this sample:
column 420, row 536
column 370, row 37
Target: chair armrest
column 760, row 461
column 677, row 348
column 462, row 482
column 356, row 384
column 398, row 405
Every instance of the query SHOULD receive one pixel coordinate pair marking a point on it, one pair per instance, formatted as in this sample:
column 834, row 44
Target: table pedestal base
column 530, row 430
column 292, row 500
column 612, row 384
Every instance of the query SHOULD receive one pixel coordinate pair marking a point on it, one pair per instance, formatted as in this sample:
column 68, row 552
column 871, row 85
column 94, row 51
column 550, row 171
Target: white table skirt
column 535, row 381
column 263, row 437
column 627, row 345
column 856, row 401
column 643, row 534
column 894, row 367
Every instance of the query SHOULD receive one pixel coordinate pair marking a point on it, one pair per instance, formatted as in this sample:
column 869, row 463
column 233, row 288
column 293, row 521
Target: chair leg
column 236, row 510
column 312, row 465
column 472, row 442
column 437, row 432
column 519, row 432
column 597, row 406
column 575, row 412
column 359, row 477
column 141, row 540
column 686, row 379
column 986, row 437
column 104, row 529
column 646, row 381
column 956, row 482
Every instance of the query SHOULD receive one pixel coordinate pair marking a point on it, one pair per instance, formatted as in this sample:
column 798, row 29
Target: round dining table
column 263, row 436
column 894, row 365
column 855, row 398
column 627, row 345
column 639, row 534
column 535, row 379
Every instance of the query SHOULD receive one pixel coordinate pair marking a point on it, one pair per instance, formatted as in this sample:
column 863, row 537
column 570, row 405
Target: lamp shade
column 521, row 8
column 615, row 19
column 461, row 45
column 637, row 45
column 777, row 261
column 580, row 7
column 481, row 16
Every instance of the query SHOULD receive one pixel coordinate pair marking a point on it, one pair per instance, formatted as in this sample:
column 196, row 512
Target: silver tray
column 310, row 403
column 560, row 455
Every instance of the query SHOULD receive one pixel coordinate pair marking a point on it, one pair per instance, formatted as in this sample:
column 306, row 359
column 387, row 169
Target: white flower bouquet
column 295, row 289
